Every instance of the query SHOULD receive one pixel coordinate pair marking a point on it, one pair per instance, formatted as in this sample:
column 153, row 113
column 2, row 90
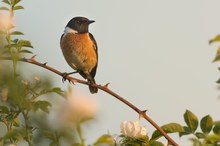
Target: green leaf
column 218, row 81
column 11, row 46
column 43, row 105
column 17, row 33
column 25, row 43
column 157, row 143
column 200, row 135
column 25, row 51
column 216, row 128
column 16, row 1
column 129, row 141
column 216, row 39
column 213, row 139
column 58, row 91
column 52, row 90
column 3, row 109
column 143, row 139
column 206, row 124
column 105, row 139
column 186, row 131
column 14, row 133
column 6, row 1
column 16, row 122
column 191, row 120
column 217, row 123
column 49, row 135
column 217, row 56
column 196, row 142
column 15, row 41
column 168, row 128
column 18, row 8
column 4, row 8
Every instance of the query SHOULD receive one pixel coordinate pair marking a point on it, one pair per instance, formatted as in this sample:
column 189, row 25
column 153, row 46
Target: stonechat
column 80, row 49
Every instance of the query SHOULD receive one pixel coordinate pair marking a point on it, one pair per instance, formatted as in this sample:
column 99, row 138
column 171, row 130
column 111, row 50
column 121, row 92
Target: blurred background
column 154, row 53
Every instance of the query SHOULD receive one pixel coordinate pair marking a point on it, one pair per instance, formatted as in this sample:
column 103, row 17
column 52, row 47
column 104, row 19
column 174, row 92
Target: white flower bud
column 78, row 108
column 6, row 21
column 133, row 129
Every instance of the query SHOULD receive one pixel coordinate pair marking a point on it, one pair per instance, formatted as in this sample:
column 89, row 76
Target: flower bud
column 133, row 129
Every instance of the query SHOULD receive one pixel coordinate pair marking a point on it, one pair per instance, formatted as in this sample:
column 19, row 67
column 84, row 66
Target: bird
column 80, row 49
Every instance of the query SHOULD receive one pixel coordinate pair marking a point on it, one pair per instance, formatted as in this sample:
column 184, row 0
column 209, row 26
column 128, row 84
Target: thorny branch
column 142, row 113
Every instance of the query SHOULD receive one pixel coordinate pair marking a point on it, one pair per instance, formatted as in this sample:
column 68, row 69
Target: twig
column 142, row 113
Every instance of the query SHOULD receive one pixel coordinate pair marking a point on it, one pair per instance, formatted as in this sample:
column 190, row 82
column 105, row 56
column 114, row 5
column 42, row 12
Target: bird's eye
column 78, row 21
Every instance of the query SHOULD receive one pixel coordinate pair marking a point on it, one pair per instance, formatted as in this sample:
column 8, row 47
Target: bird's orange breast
column 78, row 41
column 79, row 51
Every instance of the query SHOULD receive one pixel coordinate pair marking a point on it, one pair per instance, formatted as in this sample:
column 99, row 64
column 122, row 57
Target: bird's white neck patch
column 69, row 30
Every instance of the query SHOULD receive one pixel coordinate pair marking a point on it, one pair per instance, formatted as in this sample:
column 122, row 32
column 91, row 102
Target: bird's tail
column 91, row 88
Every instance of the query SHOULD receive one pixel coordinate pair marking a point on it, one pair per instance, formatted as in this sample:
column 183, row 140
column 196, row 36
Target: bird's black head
column 79, row 24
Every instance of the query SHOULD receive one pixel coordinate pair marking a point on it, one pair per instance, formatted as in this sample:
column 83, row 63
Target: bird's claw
column 64, row 75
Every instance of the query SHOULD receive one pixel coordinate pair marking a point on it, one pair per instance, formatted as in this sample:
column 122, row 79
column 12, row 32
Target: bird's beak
column 91, row 21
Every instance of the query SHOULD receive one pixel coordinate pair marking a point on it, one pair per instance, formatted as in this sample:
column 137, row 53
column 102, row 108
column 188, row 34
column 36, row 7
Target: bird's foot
column 65, row 74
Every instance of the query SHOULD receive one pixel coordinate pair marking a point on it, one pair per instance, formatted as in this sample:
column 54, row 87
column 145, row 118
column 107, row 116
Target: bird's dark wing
column 83, row 74
column 93, row 72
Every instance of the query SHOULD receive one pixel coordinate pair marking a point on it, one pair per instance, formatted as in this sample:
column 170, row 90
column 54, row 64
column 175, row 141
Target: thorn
column 141, row 114
column 144, row 111
column 33, row 58
column 72, row 81
column 45, row 63
column 106, row 85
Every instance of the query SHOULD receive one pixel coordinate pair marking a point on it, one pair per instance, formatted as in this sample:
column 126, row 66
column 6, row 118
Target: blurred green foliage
column 20, row 99
column 14, row 47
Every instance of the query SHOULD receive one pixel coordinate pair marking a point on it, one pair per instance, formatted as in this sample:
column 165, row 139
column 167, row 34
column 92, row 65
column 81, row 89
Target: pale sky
column 155, row 53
